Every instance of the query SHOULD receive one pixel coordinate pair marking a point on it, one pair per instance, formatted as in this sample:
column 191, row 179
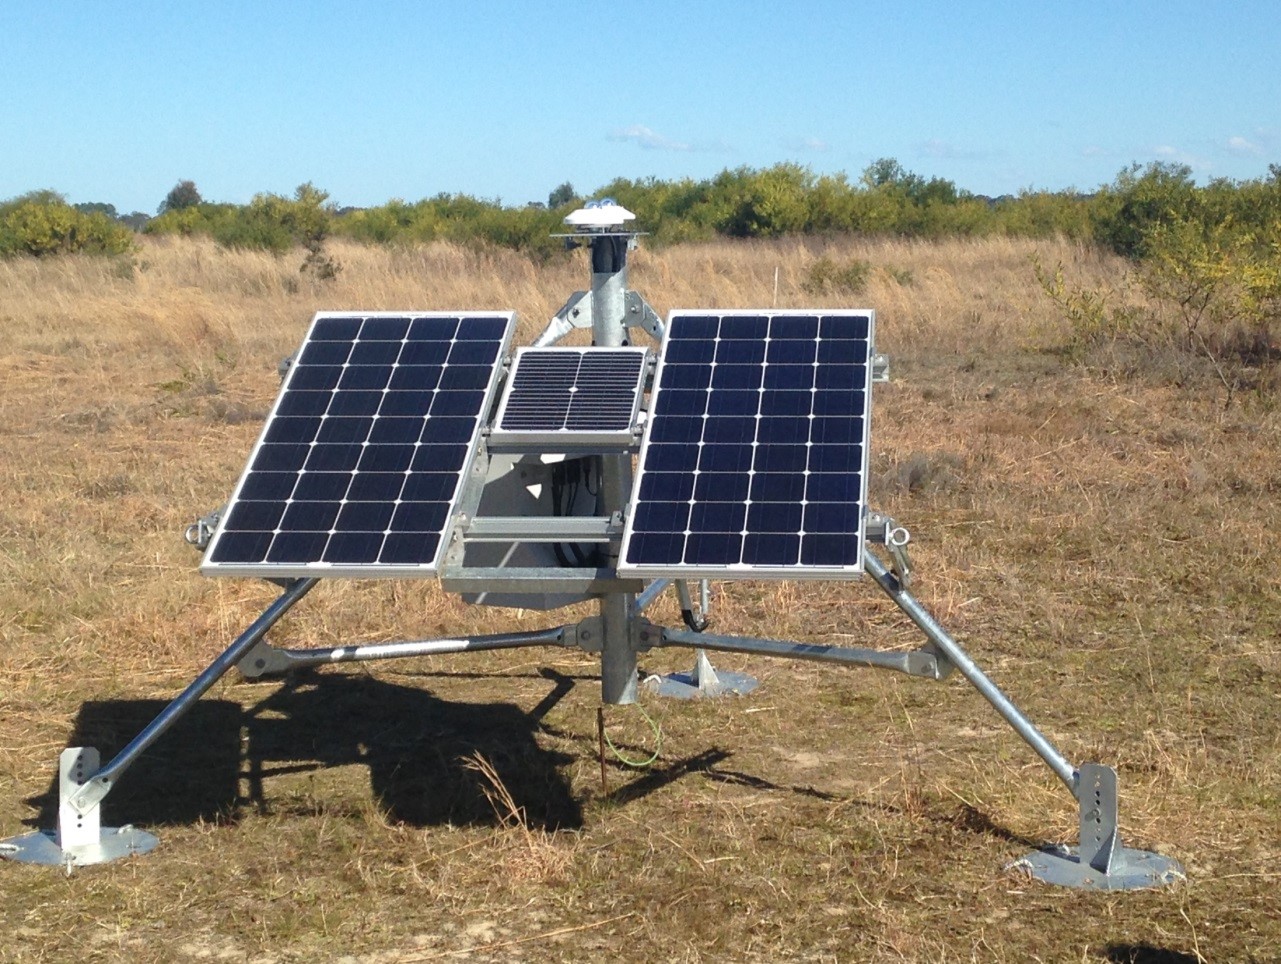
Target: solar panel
column 571, row 394
column 360, row 463
column 754, row 460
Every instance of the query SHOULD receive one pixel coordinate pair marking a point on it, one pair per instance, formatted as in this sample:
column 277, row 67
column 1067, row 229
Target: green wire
column 658, row 744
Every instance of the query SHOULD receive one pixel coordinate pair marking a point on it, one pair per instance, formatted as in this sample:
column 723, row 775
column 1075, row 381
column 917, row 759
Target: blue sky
column 118, row 101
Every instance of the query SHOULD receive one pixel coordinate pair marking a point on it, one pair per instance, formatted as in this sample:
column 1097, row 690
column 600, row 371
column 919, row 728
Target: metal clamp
column 202, row 530
column 641, row 315
column 900, row 565
column 880, row 367
column 883, row 530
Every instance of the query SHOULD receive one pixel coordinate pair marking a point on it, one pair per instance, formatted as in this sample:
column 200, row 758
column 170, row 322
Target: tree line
column 785, row 199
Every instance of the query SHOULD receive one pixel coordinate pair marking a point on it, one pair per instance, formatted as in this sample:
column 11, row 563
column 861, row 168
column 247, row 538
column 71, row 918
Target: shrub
column 42, row 223
column 1204, row 289
column 1126, row 212
column 1094, row 316
column 1222, row 283
column 828, row 277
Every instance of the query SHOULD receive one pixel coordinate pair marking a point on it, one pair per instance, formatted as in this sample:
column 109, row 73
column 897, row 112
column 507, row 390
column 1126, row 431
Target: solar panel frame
column 351, row 420
column 698, row 470
column 571, row 395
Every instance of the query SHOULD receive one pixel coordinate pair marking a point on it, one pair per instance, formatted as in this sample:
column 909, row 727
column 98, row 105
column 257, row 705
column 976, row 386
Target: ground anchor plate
column 1129, row 870
column 41, row 847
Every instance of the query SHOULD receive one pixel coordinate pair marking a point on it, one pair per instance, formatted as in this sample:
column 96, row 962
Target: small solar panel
column 754, row 460
column 571, row 394
column 360, row 463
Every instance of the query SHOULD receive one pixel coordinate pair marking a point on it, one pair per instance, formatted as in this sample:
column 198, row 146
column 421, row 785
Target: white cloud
column 1241, row 145
column 813, row 144
column 1093, row 150
column 648, row 138
column 940, row 149
column 1167, row 152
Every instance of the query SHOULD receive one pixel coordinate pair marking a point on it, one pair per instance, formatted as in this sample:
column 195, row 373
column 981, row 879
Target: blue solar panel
column 360, row 463
column 754, row 461
column 566, row 391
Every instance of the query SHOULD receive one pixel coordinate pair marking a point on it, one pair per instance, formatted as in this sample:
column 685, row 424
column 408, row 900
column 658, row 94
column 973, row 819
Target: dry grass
column 1105, row 545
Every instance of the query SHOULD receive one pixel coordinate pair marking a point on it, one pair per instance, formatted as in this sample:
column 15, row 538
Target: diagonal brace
column 94, row 789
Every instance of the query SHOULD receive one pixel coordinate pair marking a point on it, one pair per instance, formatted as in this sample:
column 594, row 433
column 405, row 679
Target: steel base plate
column 1130, row 869
column 685, row 686
column 41, row 847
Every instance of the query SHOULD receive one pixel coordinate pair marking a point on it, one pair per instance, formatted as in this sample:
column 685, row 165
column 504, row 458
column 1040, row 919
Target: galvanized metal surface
column 701, row 682
column 267, row 660
column 916, row 663
column 99, row 784
column 950, row 648
column 543, row 528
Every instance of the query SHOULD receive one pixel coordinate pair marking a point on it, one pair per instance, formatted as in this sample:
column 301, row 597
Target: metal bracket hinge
column 575, row 313
column 943, row 667
column 79, row 838
column 640, row 315
column 1096, row 792
column 1100, row 862
column 202, row 530
column 589, row 634
column 263, row 659
column 882, row 530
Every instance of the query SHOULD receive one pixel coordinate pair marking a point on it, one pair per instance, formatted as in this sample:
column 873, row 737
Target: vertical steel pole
column 609, row 329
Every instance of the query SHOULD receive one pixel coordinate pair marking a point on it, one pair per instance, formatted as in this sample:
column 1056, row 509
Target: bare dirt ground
column 1100, row 534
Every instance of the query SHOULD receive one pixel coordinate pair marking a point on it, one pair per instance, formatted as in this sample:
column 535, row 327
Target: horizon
column 585, row 195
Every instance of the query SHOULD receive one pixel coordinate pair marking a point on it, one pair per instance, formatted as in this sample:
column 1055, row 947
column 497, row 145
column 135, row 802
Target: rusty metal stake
column 600, row 739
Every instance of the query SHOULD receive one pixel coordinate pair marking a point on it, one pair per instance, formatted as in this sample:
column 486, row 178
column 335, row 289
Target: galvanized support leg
column 618, row 651
column 83, row 785
column 917, row 663
column 1100, row 862
column 958, row 657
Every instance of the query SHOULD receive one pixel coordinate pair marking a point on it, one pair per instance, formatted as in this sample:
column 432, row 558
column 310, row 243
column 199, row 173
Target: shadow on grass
column 662, row 774
column 220, row 758
column 191, row 775
column 968, row 819
column 1145, row 954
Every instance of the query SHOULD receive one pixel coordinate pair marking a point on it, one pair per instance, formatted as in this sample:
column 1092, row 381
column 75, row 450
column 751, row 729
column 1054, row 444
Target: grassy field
column 1099, row 530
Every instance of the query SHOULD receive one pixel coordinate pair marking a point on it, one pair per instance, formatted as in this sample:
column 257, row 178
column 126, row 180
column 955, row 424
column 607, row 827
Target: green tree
column 183, row 195
column 561, row 196
column 135, row 220
column 98, row 207
column 886, row 172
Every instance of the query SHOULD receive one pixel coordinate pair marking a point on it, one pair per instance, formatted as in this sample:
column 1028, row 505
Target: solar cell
column 571, row 393
column 359, row 465
column 754, row 461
